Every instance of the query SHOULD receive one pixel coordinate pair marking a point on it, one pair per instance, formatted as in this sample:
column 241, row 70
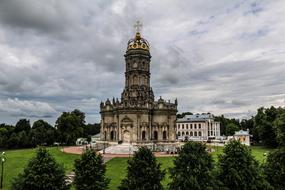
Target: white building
column 243, row 137
column 197, row 127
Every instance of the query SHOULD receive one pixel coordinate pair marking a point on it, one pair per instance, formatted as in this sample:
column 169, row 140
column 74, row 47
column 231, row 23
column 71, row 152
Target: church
column 137, row 117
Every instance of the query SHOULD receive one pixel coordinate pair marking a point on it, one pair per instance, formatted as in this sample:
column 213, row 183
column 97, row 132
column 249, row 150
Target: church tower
column 137, row 75
column 137, row 118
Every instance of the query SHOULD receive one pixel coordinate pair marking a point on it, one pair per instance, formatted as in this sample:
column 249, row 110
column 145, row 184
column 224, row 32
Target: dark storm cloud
column 213, row 57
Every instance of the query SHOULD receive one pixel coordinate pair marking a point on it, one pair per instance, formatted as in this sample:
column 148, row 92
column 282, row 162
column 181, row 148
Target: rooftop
column 196, row 117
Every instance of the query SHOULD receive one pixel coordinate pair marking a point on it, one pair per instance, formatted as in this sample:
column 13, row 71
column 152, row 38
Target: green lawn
column 18, row 159
column 116, row 168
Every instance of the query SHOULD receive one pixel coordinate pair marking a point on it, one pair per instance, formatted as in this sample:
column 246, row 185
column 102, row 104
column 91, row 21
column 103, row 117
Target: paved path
column 107, row 157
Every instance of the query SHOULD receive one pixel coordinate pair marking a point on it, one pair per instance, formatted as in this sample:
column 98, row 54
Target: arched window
column 143, row 135
column 195, row 133
column 182, row 133
column 187, row 133
column 164, row 135
column 179, row 133
column 155, row 135
column 105, row 135
column 191, row 134
column 186, row 126
column 195, row 127
column 200, row 133
column 182, row 126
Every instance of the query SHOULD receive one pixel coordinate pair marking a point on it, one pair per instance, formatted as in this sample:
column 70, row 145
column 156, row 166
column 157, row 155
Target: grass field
column 116, row 168
column 18, row 159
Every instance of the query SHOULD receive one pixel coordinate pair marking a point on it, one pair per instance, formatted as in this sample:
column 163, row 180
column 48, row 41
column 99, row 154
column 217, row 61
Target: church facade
column 137, row 117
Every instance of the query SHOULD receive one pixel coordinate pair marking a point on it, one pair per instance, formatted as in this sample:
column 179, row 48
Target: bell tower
column 137, row 91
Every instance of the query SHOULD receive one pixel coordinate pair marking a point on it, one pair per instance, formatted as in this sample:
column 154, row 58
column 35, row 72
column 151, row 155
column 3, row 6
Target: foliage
column 91, row 129
column 238, row 169
column 69, row 126
column 143, row 172
column 42, row 172
column 231, row 129
column 269, row 122
column 90, row 172
column 224, row 122
column 279, row 126
column 181, row 115
column 42, row 133
column 263, row 121
column 274, row 169
column 193, row 168
column 22, row 125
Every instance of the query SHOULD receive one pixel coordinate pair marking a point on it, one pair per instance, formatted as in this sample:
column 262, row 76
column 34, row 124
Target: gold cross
column 138, row 26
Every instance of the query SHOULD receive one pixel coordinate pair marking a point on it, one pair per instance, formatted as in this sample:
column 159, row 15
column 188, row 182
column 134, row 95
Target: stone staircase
column 124, row 148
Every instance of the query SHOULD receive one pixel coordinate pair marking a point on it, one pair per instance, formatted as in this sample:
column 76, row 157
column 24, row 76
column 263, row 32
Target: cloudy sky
column 225, row 57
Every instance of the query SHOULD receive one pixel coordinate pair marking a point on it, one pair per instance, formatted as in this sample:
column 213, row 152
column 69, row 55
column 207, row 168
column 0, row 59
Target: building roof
column 196, row 117
column 242, row 133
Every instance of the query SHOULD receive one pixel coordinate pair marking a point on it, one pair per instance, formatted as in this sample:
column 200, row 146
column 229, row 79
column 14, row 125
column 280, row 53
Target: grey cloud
column 69, row 54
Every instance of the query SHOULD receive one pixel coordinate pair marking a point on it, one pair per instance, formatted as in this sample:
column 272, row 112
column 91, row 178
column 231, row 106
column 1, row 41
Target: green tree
column 181, row 115
column 143, row 172
column 91, row 129
column 193, row 169
column 274, row 169
column 69, row 127
column 42, row 133
column 238, row 170
column 41, row 173
column 80, row 115
column 231, row 128
column 3, row 136
column 13, row 141
column 263, row 121
column 279, row 126
column 23, row 125
column 90, row 172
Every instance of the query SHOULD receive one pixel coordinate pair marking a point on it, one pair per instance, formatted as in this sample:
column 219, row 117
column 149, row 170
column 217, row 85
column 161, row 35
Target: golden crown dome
column 138, row 43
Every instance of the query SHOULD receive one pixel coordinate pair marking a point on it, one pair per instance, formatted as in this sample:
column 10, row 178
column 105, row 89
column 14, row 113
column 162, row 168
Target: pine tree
column 90, row 172
column 143, row 172
column 274, row 169
column 238, row 170
column 41, row 173
column 192, row 168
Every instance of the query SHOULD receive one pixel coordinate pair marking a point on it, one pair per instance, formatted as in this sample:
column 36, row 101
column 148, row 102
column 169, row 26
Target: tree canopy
column 238, row 170
column 90, row 172
column 42, row 172
column 274, row 169
column 193, row 168
column 143, row 172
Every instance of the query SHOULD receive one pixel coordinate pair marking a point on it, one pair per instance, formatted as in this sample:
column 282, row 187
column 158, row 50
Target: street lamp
column 3, row 159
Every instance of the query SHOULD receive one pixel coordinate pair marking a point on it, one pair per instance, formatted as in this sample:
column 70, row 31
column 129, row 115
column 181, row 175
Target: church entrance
column 126, row 137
